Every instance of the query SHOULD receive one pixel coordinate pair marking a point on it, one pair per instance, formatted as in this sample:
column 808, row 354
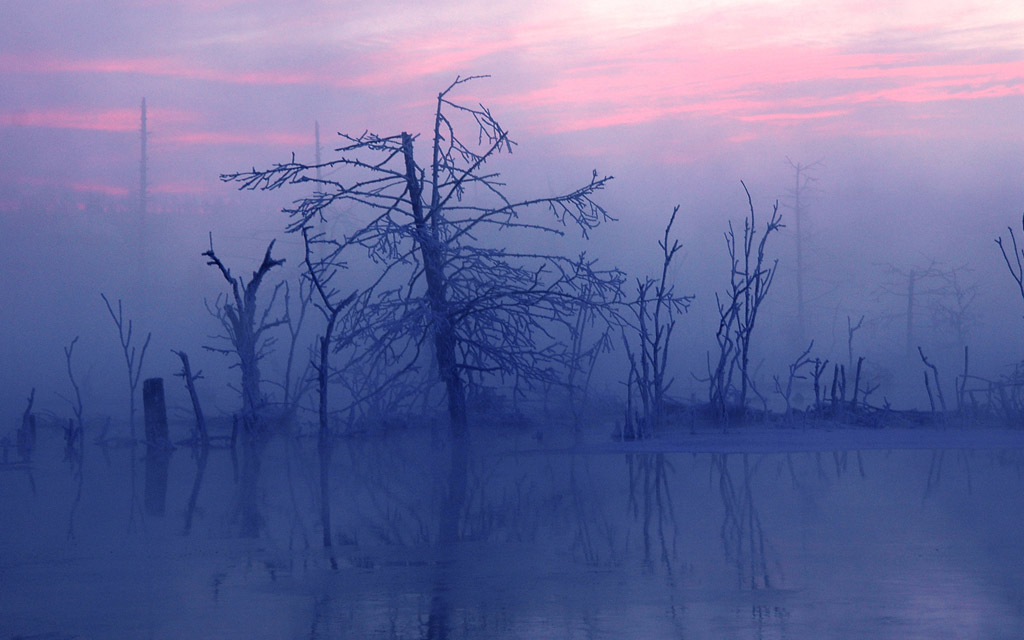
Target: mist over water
column 873, row 543
column 591, row 321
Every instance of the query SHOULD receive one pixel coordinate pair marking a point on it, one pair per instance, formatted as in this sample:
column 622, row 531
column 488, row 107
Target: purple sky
column 673, row 86
column 916, row 109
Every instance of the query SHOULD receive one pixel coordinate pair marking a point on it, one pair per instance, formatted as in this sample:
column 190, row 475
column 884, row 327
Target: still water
column 568, row 543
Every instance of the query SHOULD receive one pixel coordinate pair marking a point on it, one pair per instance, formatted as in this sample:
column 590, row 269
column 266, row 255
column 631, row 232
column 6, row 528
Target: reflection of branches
column 648, row 482
column 74, row 505
column 934, row 473
column 193, row 496
column 297, row 518
column 741, row 531
column 398, row 510
column 248, row 513
column 26, row 436
column 592, row 524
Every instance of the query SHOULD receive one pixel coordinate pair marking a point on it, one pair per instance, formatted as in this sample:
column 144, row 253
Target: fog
column 638, row 405
column 62, row 250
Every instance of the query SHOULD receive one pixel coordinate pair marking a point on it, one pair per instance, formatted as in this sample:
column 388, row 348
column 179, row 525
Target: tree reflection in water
column 493, row 541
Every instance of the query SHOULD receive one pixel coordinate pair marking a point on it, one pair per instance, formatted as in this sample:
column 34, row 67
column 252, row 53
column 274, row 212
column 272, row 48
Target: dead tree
column 935, row 377
column 197, row 409
column 295, row 387
column 652, row 319
column 584, row 351
column 321, row 272
column 484, row 310
column 749, row 283
column 851, row 330
column 74, row 433
column 124, row 334
column 952, row 306
column 245, row 329
column 1015, row 266
column 795, row 368
column 913, row 285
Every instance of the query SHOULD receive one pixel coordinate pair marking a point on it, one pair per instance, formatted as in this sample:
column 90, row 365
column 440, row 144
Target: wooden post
column 156, row 412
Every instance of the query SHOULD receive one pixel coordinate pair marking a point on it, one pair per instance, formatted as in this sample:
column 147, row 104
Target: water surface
column 569, row 543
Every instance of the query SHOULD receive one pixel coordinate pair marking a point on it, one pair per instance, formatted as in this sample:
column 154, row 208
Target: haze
column 913, row 110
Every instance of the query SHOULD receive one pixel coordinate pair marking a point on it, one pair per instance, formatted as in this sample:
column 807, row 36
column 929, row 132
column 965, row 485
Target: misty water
column 591, row 541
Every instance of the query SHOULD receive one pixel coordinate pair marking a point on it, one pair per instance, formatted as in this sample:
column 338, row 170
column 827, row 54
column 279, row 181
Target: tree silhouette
column 245, row 328
column 440, row 236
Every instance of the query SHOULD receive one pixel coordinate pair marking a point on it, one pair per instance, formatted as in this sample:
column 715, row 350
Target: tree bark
column 433, row 268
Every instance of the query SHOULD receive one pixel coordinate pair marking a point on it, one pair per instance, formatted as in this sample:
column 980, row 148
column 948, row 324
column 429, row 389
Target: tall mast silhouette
column 143, row 184
column 316, row 131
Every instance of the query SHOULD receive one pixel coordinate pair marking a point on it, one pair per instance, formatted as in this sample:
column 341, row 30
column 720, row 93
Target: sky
column 664, row 84
column 911, row 110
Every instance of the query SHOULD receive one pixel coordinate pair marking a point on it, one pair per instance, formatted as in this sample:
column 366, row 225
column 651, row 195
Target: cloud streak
column 110, row 120
column 255, row 74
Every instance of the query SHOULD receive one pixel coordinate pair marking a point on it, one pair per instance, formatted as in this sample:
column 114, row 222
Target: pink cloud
column 755, row 67
column 179, row 188
column 116, row 120
column 784, row 118
column 757, row 84
column 160, row 67
column 231, row 137
column 106, row 120
column 98, row 187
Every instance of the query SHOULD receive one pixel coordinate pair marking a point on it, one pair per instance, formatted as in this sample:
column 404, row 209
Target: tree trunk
column 250, row 380
column 444, row 332
column 324, row 440
column 186, row 370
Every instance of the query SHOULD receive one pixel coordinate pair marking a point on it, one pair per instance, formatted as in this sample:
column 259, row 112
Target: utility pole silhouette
column 143, row 180
column 141, row 235
column 801, row 185
column 316, row 131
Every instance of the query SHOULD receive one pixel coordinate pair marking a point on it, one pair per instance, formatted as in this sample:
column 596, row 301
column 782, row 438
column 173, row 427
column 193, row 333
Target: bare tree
column 295, row 386
column 75, row 431
column 802, row 361
column 952, row 307
column 584, row 350
column 912, row 285
column 750, row 281
column 321, row 273
column 481, row 310
column 653, row 319
column 197, row 409
column 927, row 384
column 1016, row 267
column 124, row 334
column 245, row 329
